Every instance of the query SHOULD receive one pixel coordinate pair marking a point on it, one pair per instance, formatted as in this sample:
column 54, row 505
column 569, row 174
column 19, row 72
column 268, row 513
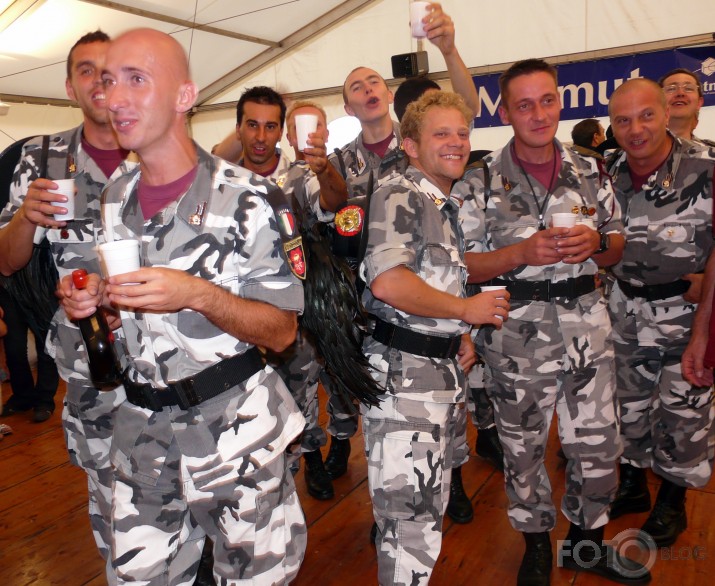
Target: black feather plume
column 334, row 315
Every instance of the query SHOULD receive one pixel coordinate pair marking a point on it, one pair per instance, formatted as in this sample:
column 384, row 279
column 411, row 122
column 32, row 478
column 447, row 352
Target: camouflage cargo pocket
column 408, row 479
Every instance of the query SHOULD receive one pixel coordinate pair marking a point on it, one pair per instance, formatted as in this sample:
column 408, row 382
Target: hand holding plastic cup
column 485, row 288
column 120, row 256
column 64, row 187
column 418, row 10
column 563, row 220
column 305, row 124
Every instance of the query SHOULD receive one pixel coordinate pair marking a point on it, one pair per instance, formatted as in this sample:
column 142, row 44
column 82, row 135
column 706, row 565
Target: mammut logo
column 707, row 67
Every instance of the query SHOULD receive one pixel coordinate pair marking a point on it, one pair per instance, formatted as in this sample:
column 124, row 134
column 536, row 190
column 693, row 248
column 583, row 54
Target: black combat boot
column 667, row 520
column 535, row 569
column 489, row 447
column 336, row 464
column 459, row 507
column 373, row 533
column 632, row 495
column 316, row 478
column 584, row 551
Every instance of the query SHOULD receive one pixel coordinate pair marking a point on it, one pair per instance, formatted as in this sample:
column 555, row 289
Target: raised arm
column 333, row 189
column 440, row 31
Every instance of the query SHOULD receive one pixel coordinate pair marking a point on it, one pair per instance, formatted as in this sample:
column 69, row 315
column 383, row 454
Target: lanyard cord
column 541, row 208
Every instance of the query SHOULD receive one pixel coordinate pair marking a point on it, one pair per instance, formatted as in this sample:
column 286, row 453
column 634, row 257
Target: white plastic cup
column 563, row 220
column 418, row 10
column 64, row 187
column 305, row 124
column 485, row 288
column 120, row 256
column 587, row 222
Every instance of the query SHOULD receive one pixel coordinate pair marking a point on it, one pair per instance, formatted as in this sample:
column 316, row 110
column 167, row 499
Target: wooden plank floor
column 45, row 537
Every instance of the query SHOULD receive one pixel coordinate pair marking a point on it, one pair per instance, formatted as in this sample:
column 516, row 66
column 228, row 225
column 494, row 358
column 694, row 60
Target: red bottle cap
column 79, row 278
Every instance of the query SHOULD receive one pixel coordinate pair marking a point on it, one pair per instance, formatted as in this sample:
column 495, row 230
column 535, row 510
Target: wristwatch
column 604, row 242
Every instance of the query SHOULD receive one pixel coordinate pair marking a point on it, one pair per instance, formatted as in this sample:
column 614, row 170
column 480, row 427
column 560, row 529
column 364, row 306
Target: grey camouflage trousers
column 217, row 469
column 479, row 407
column 88, row 423
column 300, row 369
column 666, row 423
column 479, row 404
column 409, row 451
column 343, row 415
column 555, row 356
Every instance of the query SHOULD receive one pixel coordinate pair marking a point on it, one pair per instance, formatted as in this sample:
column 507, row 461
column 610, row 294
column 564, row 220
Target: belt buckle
column 454, row 346
column 150, row 398
column 571, row 289
column 186, row 393
column 539, row 293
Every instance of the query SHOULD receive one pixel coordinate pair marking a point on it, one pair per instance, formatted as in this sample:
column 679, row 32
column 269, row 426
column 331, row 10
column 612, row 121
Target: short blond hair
column 411, row 125
column 305, row 104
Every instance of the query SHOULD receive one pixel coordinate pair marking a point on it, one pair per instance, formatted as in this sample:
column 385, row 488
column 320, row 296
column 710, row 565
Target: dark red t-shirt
column 107, row 160
column 380, row 148
column 544, row 173
column 154, row 198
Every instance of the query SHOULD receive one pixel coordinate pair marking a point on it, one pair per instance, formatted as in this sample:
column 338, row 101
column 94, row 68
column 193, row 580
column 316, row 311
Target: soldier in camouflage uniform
column 460, row 508
column 205, row 425
column 420, row 347
column 555, row 352
column 684, row 97
column 90, row 154
column 665, row 187
column 364, row 163
column 315, row 190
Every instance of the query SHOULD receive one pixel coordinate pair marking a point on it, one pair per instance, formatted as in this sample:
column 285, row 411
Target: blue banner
column 586, row 86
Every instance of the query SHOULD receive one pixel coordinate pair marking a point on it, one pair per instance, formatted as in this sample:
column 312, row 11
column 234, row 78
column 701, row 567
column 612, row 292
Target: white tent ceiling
column 225, row 39
column 311, row 44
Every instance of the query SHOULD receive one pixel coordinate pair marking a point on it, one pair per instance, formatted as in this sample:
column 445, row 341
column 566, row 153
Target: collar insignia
column 197, row 218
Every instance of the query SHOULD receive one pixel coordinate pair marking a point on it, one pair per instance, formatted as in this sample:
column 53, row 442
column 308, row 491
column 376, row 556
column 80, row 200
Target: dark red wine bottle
column 98, row 341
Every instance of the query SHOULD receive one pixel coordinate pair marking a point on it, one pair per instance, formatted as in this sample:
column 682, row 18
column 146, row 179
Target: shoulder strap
column 363, row 233
column 341, row 162
column 43, row 155
column 480, row 164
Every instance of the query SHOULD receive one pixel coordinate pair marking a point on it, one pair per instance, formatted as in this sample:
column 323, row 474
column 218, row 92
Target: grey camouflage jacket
column 224, row 230
column 413, row 224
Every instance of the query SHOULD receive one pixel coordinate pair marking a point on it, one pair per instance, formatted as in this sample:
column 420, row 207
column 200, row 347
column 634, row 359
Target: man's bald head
column 639, row 119
column 148, row 90
column 165, row 49
column 640, row 84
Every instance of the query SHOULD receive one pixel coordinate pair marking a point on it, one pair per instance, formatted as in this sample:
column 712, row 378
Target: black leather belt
column 547, row 290
column 407, row 340
column 654, row 292
column 204, row 385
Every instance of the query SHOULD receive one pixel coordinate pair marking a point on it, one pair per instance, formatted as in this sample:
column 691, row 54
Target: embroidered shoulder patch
column 349, row 220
